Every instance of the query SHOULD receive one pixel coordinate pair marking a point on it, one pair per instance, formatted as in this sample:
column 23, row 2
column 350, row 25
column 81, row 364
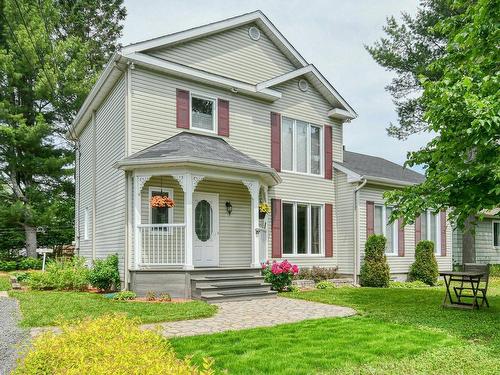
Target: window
column 430, row 229
column 302, row 229
column 161, row 215
column 301, row 147
column 383, row 227
column 203, row 112
column 496, row 233
column 86, row 224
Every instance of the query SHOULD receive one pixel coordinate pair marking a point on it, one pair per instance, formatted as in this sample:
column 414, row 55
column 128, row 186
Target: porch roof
column 192, row 148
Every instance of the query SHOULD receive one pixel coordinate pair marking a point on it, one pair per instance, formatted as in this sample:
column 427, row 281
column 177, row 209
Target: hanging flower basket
column 264, row 209
column 160, row 201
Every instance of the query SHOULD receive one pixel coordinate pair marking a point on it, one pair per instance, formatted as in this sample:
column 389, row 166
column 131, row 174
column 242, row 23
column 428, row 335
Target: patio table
column 464, row 277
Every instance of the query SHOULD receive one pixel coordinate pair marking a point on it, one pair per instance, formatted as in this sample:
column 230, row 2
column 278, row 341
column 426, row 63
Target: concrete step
column 211, row 280
column 237, row 295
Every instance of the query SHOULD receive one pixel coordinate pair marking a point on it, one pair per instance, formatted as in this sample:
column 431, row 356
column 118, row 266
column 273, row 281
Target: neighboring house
column 360, row 182
column 218, row 118
column 483, row 244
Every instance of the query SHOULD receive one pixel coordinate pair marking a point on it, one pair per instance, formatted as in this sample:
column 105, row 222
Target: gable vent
column 303, row 85
column 254, row 33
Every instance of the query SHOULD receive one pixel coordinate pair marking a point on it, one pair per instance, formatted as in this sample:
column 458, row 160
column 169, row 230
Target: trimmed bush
column 63, row 274
column 375, row 270
column 107, row 345
column 317, row 274
column 279, row 274
column 104, row 275
column 425, row 267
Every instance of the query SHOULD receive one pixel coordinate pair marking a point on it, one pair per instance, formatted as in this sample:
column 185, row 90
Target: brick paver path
column 251, row 314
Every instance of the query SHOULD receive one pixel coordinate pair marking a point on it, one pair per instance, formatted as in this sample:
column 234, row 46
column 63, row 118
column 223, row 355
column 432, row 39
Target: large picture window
column 301, row 147
column 302, row 228
column 203, row 112
column 160, row 215
column 430, row 229
column 388, row 230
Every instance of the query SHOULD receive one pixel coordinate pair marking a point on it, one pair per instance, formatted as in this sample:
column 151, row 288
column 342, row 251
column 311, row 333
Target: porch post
column 254, row 188
column 139, row 182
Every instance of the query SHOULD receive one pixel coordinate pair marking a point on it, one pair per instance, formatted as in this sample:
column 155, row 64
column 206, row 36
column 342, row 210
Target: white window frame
column 493, row 233
column 170, row 195
column 294, row 254
column 308, row 152
column 86, row 224
column 395, row 229
column 214, row 121
column 437, row 246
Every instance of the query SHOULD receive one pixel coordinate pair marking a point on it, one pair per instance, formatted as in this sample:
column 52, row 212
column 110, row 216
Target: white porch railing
column 162, row 244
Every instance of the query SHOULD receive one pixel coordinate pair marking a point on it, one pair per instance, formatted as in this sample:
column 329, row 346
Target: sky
column 330, row 34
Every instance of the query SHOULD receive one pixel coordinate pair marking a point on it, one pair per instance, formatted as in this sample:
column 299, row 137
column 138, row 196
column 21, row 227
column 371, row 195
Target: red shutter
column 276, row 227
column 328, row 230
column 328, row 153
column 401, row 238
column 276, row 141
column 182, row 109
column 223, row 117
column 370, row 213
column 443, row 233
column 418, row 230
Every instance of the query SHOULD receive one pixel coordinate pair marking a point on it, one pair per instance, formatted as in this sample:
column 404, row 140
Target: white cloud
column 329, row 34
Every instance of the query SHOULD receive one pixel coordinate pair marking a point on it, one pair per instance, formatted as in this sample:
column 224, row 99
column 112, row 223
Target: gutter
column 364, row 181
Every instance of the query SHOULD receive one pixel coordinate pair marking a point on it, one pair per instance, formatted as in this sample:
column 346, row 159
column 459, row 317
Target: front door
column 206, row 229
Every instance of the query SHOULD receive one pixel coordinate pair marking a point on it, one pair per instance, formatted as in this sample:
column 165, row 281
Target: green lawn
column 398, row 331
column 4, row 282
column 47, row 308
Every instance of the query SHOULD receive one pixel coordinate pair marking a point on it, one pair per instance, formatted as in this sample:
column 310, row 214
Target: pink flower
column 263, row 266
column 295, row 269
column 276, row 269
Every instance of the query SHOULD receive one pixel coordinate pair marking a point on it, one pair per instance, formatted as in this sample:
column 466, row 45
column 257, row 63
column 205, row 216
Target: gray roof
column 196, row 148
column 375, row 167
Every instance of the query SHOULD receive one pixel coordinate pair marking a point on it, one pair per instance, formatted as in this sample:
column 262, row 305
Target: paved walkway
column 251, row 314
column 11, row 336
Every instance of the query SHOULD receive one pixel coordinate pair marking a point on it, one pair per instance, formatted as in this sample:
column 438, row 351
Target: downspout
column 356, row 230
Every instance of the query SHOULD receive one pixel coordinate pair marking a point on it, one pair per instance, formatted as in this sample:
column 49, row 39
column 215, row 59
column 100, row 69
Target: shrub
column 375, row 270
column 124, row 295
column 30, row 264
column 151, row 296
column 120, row 347
column 279, row 274
column 22, row 276
column 104, row 274
column 69, row 274
column 324, row 285
column 317, row 274
column 425, row 267
column 8, row 265
column 165, row 297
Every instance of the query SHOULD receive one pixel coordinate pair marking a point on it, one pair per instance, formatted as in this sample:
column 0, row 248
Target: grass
column 49, row 308
column 397, row 331
column 4, row 281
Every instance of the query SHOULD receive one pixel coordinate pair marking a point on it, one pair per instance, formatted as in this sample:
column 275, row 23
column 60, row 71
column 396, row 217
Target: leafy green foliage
column 29, row 263
column 125, row 295
column 462, row 105
column 4, row 283
column 61, row 274
column 8, row 265
column 74, row 351
column 317, row 274
column 49, row 308
column 408, row 285
column 375, row 270
column 165, row 297
column 425, row 267
column 324, row 285
column 495, row 270
column 104, row 274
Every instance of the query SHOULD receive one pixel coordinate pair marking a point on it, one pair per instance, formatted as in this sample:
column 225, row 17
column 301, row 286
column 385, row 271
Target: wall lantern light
column 229, row 207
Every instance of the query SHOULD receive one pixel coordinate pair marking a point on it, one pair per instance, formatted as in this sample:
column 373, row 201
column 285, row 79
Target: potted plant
column 264, row 209
column 161, row 201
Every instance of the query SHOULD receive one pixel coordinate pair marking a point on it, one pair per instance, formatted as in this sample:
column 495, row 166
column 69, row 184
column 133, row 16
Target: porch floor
column 239, row 315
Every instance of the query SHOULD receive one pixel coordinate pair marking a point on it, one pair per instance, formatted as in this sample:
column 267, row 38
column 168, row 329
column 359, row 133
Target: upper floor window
column 203, row 110
column 383, row 227
column 496, row 233
column 430, row 229
column 301, row 147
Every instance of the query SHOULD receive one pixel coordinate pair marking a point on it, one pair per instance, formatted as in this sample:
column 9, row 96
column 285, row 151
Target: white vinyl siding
column 343, row 223
column 486, row 252
column 232, row 54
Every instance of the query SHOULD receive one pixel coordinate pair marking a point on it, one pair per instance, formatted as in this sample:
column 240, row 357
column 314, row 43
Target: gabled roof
column 376, row 169
column 195, row 148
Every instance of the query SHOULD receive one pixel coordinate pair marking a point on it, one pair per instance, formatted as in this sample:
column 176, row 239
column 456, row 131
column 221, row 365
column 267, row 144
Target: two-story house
column 181, row 139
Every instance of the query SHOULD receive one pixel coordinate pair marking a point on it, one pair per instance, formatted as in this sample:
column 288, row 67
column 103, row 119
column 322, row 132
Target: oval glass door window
column 203, row 220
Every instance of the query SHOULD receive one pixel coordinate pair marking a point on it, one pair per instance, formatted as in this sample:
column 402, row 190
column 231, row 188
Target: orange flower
column 161, row 201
